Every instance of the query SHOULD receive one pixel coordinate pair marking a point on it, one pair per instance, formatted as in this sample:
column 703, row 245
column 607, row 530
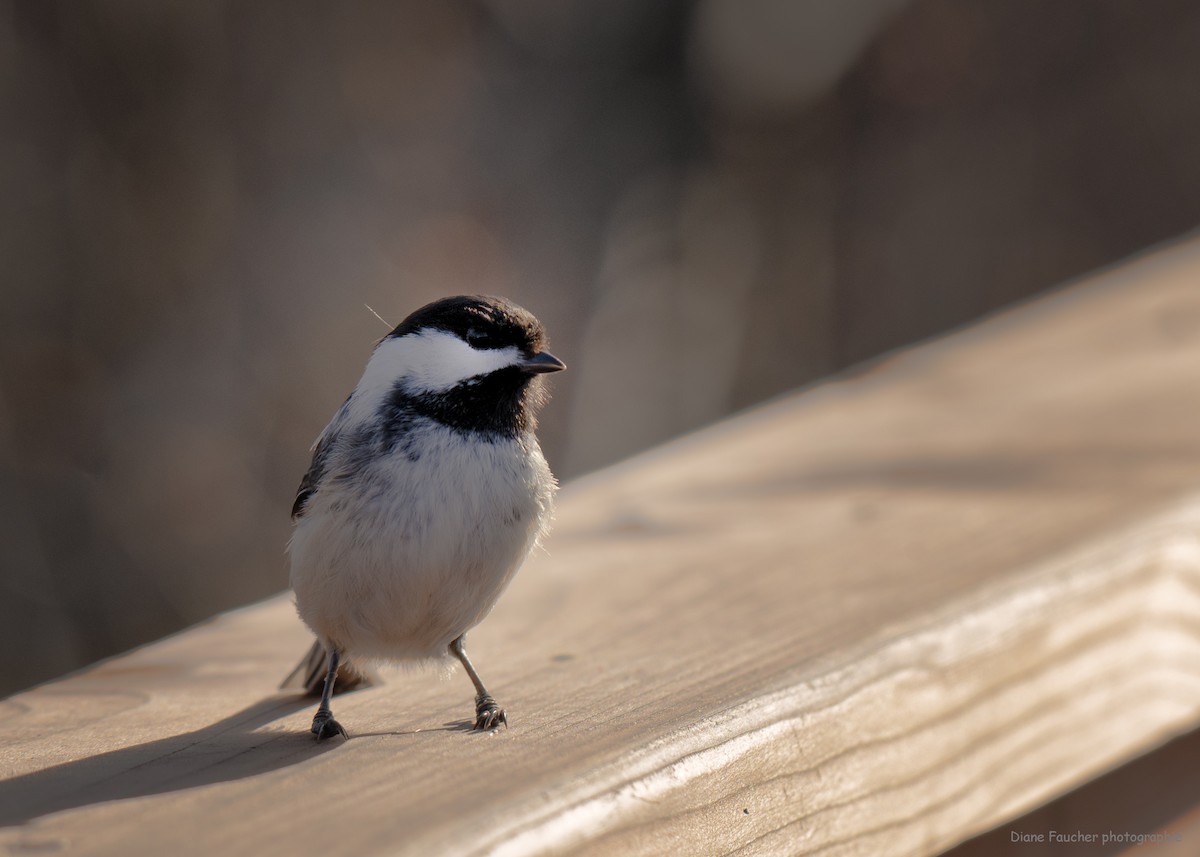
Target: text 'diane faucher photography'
column 1093, row 837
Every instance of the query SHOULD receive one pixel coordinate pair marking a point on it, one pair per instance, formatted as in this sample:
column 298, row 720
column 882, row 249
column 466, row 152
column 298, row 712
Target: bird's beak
column 541, row 362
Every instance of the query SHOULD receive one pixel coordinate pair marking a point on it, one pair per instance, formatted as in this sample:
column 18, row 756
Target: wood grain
column 875, row 617
column 1151, row 802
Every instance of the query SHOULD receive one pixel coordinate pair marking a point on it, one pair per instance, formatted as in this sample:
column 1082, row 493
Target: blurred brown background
column 707, row 202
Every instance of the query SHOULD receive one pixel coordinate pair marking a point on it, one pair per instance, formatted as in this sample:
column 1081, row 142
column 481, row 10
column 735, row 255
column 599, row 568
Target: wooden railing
column 875, row 617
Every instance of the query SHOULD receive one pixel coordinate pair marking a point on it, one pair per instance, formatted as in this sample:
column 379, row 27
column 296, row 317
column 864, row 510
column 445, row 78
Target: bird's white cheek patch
column 430, row 361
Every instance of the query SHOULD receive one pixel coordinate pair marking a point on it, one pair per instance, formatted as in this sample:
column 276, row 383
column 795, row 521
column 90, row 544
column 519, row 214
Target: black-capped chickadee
column 426, row 492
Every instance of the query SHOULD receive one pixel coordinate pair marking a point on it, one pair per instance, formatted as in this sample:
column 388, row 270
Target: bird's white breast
column 397, row 555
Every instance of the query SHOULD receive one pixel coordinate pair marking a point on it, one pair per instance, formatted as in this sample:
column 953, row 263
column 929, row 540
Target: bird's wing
column 312, row 478
column 320, row 460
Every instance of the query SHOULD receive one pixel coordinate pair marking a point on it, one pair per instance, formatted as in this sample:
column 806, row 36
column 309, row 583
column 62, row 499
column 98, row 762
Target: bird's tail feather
column 309, row 674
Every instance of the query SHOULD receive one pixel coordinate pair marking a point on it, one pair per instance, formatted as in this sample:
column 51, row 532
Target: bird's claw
column 324, row 726
column 488, row 715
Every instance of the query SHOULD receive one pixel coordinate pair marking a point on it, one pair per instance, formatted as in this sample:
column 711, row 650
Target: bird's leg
column 488, row 715
column 323, row 725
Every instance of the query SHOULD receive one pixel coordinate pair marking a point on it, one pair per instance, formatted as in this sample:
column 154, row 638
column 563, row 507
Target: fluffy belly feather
column 397, row 560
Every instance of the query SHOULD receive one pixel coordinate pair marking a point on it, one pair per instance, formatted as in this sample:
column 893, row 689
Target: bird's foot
column 488, row 715
column 324, row 726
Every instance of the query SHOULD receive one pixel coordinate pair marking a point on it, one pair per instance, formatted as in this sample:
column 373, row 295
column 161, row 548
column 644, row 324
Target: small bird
column 426, row 492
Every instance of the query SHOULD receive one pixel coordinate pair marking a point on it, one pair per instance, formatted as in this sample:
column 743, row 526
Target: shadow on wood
column 227, row 750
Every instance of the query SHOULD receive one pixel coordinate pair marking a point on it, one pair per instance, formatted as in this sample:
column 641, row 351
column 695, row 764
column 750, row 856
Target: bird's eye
column 477, row 337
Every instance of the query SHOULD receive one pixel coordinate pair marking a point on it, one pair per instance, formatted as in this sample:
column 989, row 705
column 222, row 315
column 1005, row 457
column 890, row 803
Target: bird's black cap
column 483, row 321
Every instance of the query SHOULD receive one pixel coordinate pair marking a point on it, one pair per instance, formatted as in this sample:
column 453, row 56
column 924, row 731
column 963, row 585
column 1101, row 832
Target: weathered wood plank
column 872, row 618
column 1152, row 802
